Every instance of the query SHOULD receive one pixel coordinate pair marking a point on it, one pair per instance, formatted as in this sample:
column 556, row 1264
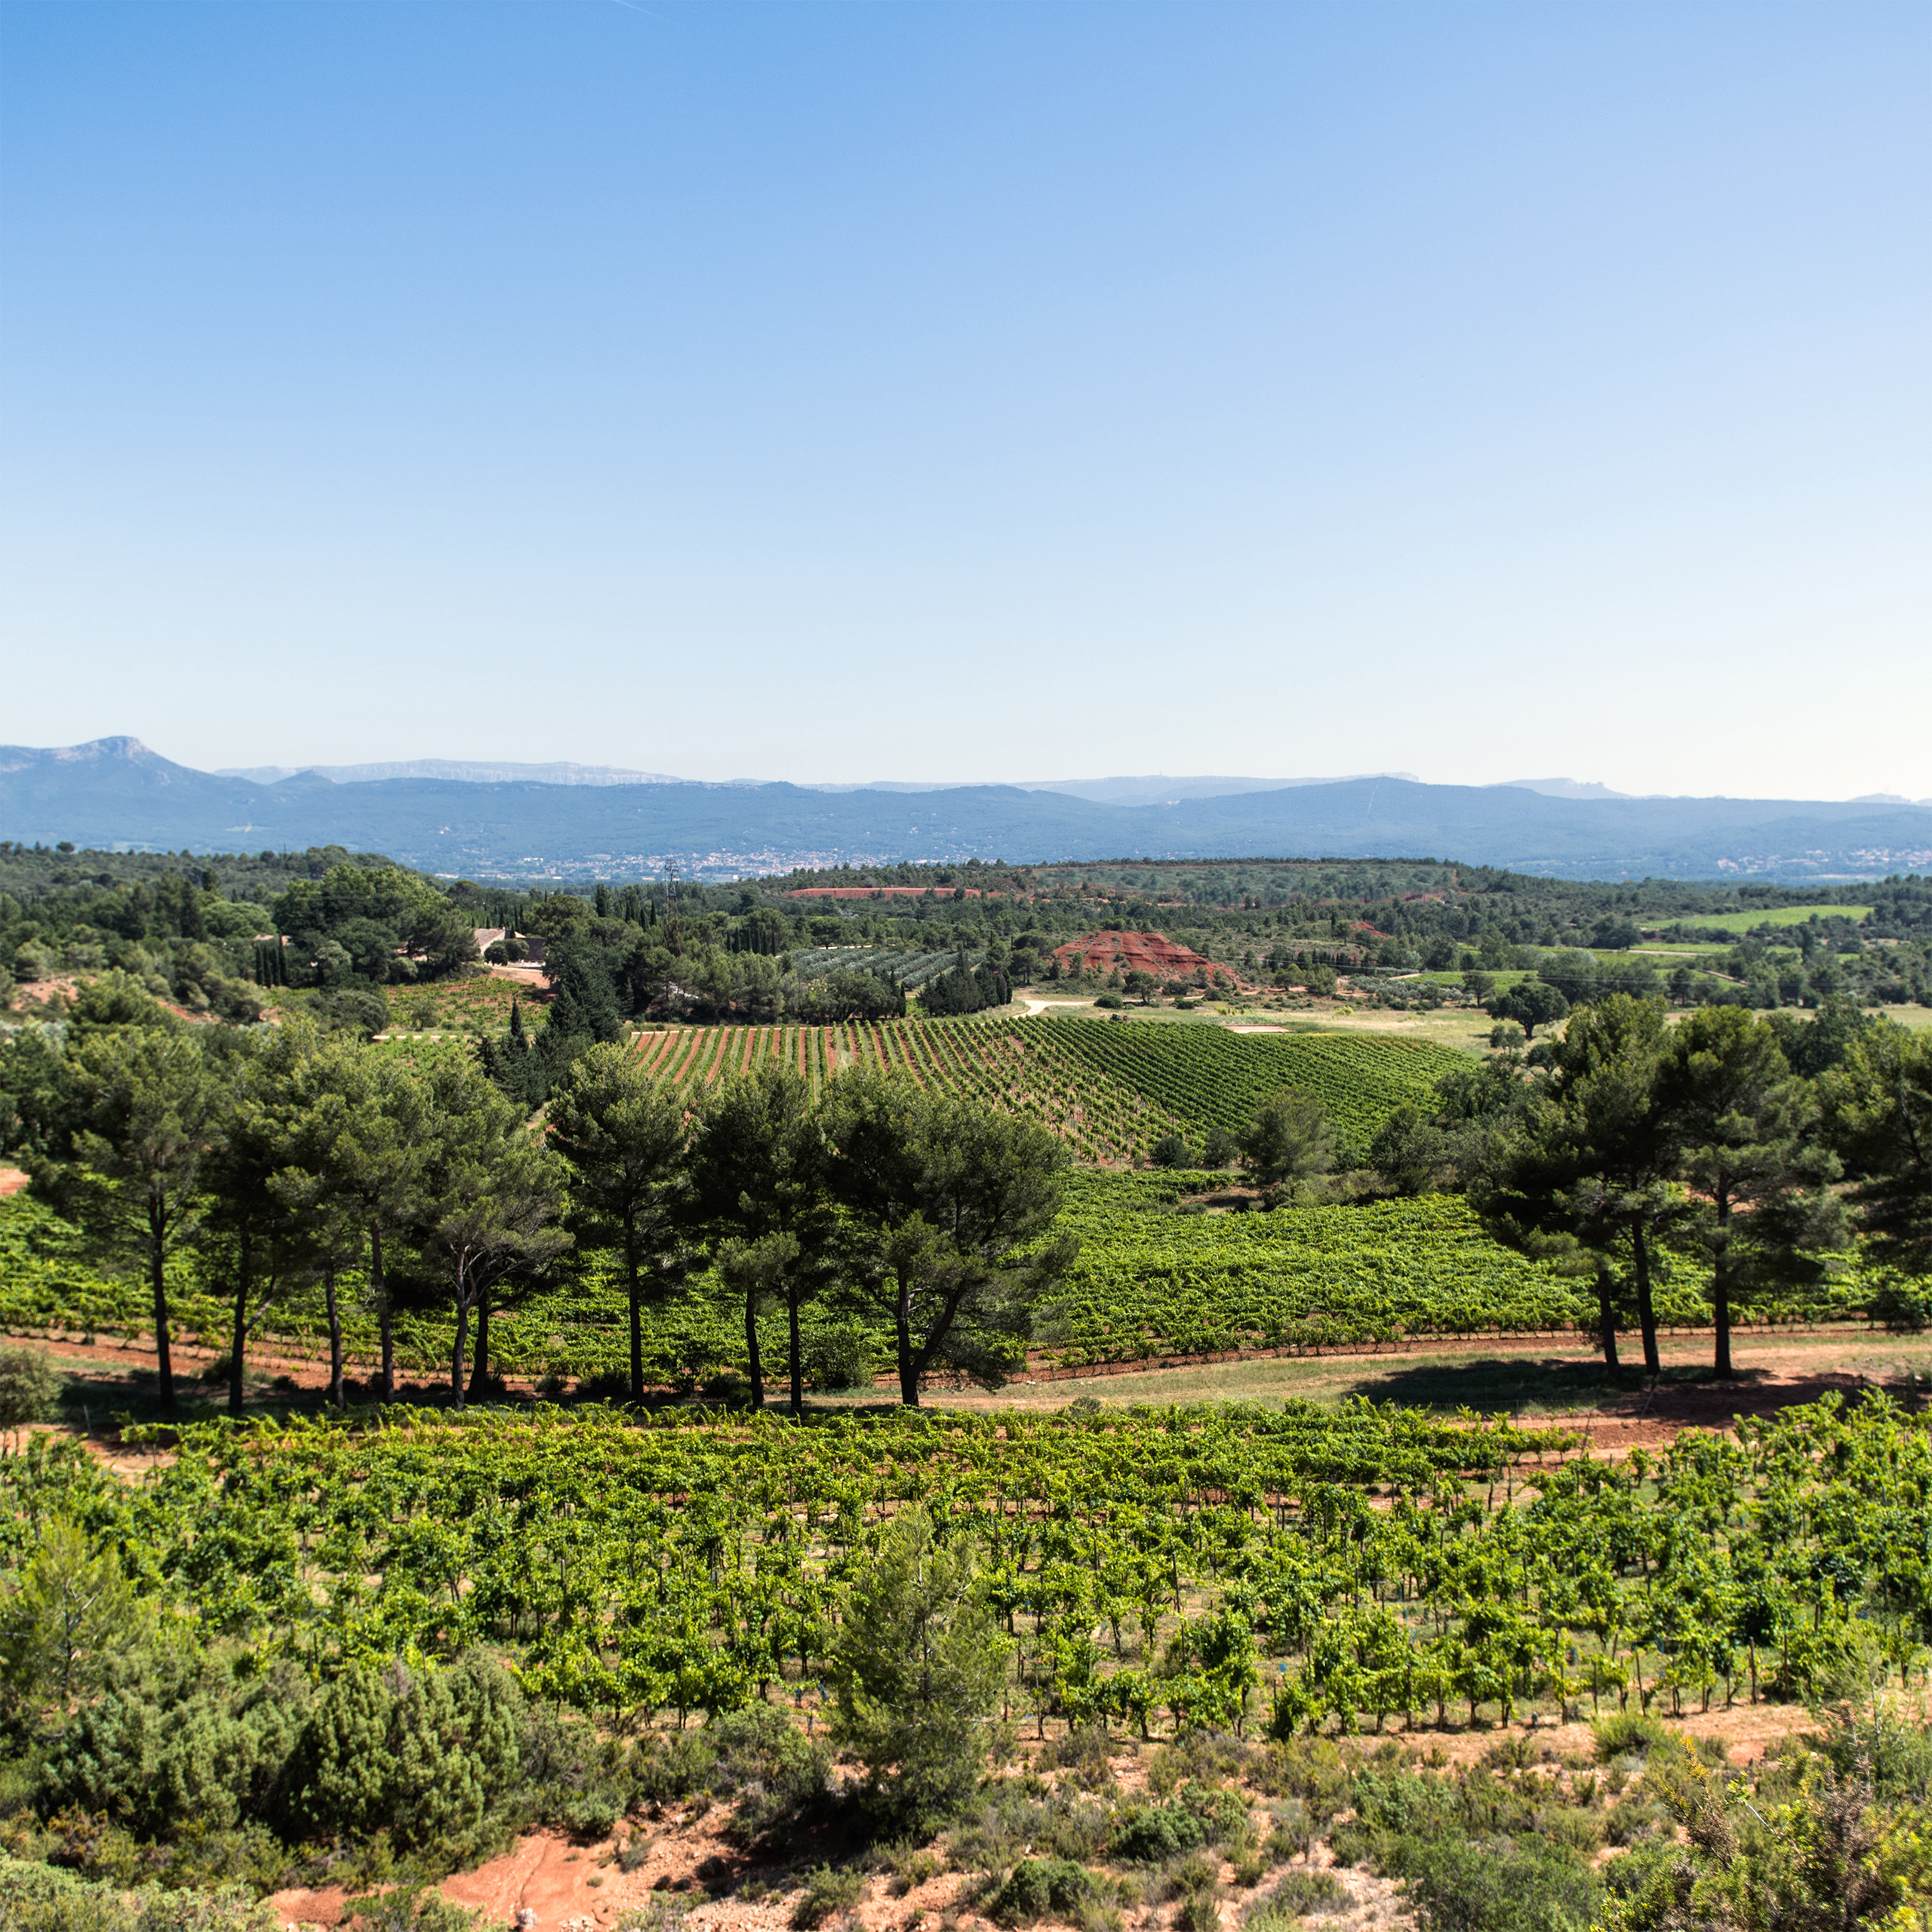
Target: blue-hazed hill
column 117, row 791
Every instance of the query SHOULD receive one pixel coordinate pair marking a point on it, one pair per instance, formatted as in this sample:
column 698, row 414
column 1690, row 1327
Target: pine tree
column 916, row 1671
column 622, row 1135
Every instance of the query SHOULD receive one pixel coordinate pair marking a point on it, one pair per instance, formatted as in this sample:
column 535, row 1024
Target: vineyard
column 1205, row 1076
column 1151, row 1281
column 1019, row 1067
column 1111, row 1089
column 1155, row 1569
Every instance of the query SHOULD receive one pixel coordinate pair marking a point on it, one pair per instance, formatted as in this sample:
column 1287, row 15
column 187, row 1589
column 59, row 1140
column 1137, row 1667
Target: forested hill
column 115, row 791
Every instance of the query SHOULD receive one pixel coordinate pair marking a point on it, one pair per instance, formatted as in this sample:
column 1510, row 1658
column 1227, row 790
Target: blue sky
column 924, row 391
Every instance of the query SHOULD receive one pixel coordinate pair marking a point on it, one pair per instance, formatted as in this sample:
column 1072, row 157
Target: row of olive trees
column 288, row 1160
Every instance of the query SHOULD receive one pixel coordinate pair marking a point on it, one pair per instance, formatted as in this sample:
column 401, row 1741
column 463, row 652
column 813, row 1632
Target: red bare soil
column 11, row 1181
column 1139, row 952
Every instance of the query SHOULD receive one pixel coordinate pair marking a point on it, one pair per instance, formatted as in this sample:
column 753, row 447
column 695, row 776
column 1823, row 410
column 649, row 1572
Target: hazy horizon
column 483, row 769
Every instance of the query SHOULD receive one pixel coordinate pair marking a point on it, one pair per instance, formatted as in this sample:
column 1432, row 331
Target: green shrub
column 71, row 1618
column 828, row 1891
column 662, row 1911
column 779, row 1777
column 36, row 1898
column 1200, row 1755
column 1191, row 1873
column 909, row 1866
column 1303, row 1893
column 1150, row 1833
column 1408, row 1802
column 838, row 1355
column 179, row 1749
column 1291, row 1833
column 593, row 1814
column 1626, row 1734
column 426, row 1754
column 1459, row 1883
column 1311, row 1769
column 28, row 1386
column 408, row 1908
column 917, row 1669
column 1199, row 1911
column 1037, row 1887
column 1084, row 1755
column 666, row 1769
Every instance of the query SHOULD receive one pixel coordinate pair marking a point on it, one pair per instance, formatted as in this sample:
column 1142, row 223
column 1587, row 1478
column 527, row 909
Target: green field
column 1743, row 921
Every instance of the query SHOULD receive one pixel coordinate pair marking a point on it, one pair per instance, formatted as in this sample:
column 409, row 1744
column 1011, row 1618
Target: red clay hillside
column 1143, row 952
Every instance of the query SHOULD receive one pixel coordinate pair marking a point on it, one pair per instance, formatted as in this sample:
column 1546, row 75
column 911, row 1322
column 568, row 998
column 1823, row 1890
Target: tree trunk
column 157, row 1258
column 238, row 1339
column 1607, row 1317
column 798, row 1364
column 379, row 1292
column 909, row 1374
column 1647, row 1319
column 460, row 1348
column 1721, row 1287
column 479, row 1373
column 751, row 1358
column 335, row 1339
column 637, row 1307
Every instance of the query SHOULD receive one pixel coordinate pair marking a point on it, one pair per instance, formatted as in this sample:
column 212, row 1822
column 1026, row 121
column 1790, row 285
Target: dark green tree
column 246, row 1227
column 954, row 1202
column 1531, row 1003
column 622, row 1136
column 916, row 1671
column 1414, row 1152
column 1745, row 1126
column 492, row 1207
column 360, row 1153
column 146, row 1111
column 1591, row 1162
column 1290, row 1138
column 1879, row 1099
column 758, row 1171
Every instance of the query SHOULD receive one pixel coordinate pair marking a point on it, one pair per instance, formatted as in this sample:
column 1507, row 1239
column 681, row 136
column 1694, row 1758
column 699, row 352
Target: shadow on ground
column 1530, row 1384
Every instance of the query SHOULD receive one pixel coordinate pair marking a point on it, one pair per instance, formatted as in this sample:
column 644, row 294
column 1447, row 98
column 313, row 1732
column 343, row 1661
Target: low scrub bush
column 829, row 1891
column 1304, row 1894
column 37, row 1898
column 1084, row 1756
column 1459, row 1883
column 28, row 1386
column 838, row 1355
column 1626, row 1734
column 1150, row 1833
column 1037, row 1888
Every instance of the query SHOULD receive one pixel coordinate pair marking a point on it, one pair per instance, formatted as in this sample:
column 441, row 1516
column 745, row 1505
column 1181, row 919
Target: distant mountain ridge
column 117, row 792
column 463, row 772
